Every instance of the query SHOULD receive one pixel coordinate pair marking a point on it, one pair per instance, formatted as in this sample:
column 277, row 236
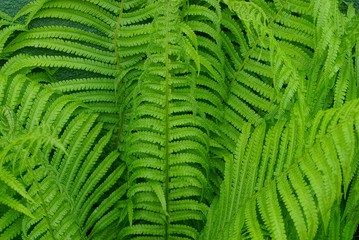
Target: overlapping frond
column 158, row 119
column 56, row 178
column 166, row 142
column 284, row 193
column 81, row 46
column 277, row 64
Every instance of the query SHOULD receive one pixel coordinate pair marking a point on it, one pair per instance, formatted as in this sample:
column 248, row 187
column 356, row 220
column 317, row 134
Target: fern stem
column 167, row 112
column 117, row 29
column 118, row 68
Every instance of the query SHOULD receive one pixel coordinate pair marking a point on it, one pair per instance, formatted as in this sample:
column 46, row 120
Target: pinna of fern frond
column 304, row 191
column 60, row 183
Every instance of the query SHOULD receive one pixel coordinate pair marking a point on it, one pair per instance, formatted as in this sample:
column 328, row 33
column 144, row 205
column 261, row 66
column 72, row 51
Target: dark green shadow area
column 343, row 6
column 11, row 7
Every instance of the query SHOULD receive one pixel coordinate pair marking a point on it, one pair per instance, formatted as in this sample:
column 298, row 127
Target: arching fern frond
column 302, row 190
column 155, row 119
column 64, row 186
column 25, row 62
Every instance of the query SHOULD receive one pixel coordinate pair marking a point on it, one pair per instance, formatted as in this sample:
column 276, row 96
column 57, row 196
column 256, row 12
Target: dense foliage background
column 179, row 119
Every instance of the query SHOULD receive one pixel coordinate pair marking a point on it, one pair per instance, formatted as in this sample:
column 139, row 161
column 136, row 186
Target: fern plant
column 179, row 119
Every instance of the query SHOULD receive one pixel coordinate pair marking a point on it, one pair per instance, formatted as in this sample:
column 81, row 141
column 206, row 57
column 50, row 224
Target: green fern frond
column 81, row 7
column 22, row 62
column 81, row 18
column 62, row 32
column 10, row 201
column 166, row 99
column 83, row 84
column 6, row 33
column 155, row 119
column 348, row 226
column 109, row 5
column 58, row 196
column 67, row 47
column 309, row 186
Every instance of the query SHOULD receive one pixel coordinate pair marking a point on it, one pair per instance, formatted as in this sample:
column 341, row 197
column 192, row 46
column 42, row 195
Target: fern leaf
column 14, row 229
column 6, row 33
column 68, row 47
column 25, row 61
column 270, row 212
column 14, row 204
column 294, row 209
column 179, row 119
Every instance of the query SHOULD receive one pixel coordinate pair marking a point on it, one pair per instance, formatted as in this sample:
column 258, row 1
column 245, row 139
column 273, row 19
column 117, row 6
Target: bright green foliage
column 179, row 119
